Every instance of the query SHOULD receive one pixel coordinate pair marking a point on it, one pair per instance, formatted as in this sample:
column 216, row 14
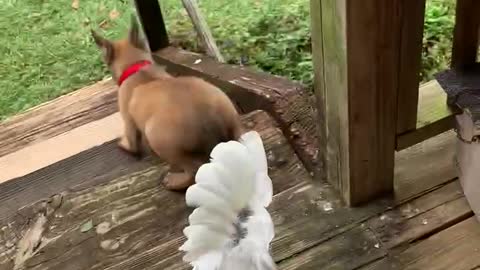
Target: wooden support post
column 412, row 22
column 356, row 50
column 465, row 39
column 202, row 29
column 153, row 24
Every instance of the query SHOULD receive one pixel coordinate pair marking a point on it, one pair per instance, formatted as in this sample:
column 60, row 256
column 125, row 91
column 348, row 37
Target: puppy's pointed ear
column 134, row 35
column 105, row 45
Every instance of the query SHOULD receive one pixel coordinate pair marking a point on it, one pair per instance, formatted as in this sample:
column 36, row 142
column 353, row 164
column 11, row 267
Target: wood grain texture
column 456, row 248
column 202, row 29
column 386, row 233
column 140, row 213
column 359, row 64
column 465, row 35
column 55, row 149
column 319, row 79
column 412, row 16
column 422, row 217
column 434, row 116
column 352, row 249
column 58, row 116
column 430, row 170
column 329, row 58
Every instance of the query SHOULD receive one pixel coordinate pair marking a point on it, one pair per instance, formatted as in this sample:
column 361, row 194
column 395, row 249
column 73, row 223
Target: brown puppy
column 181, row 118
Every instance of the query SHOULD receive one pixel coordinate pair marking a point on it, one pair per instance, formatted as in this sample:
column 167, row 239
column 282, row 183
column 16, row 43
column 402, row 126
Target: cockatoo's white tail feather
column 200, row 195
column 206, row 215
column 263, row 185
column 231, row 193
column 254, row 144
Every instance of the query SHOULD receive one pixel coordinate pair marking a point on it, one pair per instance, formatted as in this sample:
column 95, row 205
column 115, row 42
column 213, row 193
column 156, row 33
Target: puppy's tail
column 216, row 129
column 230, row 228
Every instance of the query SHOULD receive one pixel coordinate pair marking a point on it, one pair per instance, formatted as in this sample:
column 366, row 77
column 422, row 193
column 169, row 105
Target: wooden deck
column 69, row 199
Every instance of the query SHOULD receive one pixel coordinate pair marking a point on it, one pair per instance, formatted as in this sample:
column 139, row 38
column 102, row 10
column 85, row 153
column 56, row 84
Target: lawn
column 47, row 51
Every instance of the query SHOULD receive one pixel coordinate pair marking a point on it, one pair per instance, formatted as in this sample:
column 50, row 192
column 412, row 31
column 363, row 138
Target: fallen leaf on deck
column 76, row 4
column 114, row 14
column 87, row 226
column 31, row 242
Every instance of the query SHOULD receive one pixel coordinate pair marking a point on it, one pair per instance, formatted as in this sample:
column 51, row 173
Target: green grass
column 437, row 40
column 47, row 51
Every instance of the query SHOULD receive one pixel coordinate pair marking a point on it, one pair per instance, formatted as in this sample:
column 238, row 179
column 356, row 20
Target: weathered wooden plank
column 153, row 24
column 58, row 116
column 465, row 36
column 375, row 237
column 412, row 16
column 430, row 170
column 434, row 116
column 141, row 214
column 348, row 251
column 421, row 217
column 90, row 167
column 284, row 100
column 48, row 151
column 456, row 248
column 360, row 58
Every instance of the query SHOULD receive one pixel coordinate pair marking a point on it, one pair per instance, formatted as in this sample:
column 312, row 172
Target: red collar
column 132, row 70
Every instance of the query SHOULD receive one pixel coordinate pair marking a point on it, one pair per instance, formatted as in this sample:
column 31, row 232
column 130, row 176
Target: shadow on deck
column 95, row 207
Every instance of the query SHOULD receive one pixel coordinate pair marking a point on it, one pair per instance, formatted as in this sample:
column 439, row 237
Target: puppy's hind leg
column 182, row 180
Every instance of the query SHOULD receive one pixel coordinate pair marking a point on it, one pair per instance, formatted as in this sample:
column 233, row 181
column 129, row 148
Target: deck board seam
column 353, row 225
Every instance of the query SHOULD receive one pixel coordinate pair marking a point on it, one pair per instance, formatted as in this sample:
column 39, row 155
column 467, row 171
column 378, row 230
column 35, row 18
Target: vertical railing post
column 151, row 17
column 412, row 14
column 465, row 37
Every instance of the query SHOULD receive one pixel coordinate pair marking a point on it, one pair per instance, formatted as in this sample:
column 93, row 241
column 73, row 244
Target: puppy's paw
column 178, row 181
column 125, row 146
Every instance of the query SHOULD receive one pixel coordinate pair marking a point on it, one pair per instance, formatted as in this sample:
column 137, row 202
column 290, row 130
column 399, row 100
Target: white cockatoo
column 231, row 229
